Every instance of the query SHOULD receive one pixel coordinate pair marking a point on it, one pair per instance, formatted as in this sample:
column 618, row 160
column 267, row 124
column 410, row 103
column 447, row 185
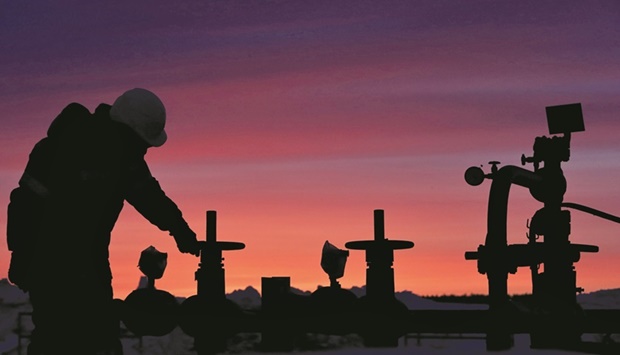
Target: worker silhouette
column 61, row 216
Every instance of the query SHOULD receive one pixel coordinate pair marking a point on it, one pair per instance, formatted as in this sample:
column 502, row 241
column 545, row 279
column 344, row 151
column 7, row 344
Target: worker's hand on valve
column 187, row 243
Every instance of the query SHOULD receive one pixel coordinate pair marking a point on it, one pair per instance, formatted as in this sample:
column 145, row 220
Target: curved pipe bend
column 497, row 215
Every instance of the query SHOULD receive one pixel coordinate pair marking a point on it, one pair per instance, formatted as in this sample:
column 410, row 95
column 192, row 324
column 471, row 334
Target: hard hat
column 144, row 112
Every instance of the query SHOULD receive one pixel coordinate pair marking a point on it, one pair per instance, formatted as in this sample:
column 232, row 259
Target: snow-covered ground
column 13, row 301
column 426, row 346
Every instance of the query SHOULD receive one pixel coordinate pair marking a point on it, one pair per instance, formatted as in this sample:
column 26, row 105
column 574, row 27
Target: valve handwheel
column 212, row 237
column 380, row 243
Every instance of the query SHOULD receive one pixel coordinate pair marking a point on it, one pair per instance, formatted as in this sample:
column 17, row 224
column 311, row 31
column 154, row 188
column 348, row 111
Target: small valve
column 153, row 264
column 494, row 165
column 149, row 311
column 525, row 160
column 333, row 261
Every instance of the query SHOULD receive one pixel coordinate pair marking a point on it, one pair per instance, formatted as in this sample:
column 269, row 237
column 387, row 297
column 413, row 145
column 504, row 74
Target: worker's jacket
column 73, row 189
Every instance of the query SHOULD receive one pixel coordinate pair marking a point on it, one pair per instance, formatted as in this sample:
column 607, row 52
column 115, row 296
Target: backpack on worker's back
column 36, row 187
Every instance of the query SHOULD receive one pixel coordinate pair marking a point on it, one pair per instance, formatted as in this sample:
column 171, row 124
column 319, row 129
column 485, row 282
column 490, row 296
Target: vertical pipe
column 496, row 243
column 211, row 226
column 379, row 225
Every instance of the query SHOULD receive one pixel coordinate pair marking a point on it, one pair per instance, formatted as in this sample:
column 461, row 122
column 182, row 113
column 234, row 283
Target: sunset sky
column 294, row 120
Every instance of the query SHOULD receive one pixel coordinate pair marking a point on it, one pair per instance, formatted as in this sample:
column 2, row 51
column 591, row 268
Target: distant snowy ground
column 182, row 345
column 602, row 299
column 13, row 301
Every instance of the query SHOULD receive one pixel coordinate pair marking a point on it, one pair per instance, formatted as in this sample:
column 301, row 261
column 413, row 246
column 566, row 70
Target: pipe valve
column 474, row 175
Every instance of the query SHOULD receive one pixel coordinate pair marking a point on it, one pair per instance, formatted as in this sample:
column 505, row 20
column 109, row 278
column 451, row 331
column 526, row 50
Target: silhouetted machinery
column 382, row 318
column 378, row 317
column 147, row 310
column 554, row 319
column 559, row 318
column 209, row 316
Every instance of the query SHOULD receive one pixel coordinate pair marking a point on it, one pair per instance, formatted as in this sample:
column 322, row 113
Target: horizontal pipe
column 593, row 321
column 592, row 211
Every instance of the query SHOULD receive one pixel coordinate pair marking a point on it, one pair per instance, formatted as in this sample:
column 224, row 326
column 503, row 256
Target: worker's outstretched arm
column 148, row 198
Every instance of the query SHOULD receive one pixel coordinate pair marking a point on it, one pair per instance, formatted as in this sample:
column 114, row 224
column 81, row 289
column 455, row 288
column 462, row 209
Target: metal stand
column 208, row 316
column 381, row 314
